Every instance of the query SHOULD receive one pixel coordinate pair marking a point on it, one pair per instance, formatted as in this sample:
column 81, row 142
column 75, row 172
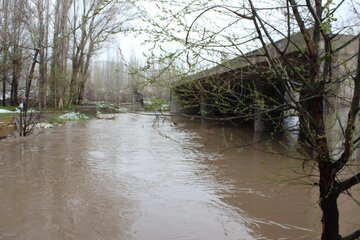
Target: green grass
column 7, row 116
column 106, row 108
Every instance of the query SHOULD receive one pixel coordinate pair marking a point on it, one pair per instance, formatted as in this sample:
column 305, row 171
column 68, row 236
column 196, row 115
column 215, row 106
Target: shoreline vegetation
column 53, row 118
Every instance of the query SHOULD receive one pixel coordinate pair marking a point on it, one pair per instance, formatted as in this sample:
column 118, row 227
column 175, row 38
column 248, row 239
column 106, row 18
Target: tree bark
column 58, row 77
column 16, row 71
column 14, row 86
column 328, row 201
column 31, row 76
column 330, row 218
column 318, row 75
column 4, row 35
column 42, row 9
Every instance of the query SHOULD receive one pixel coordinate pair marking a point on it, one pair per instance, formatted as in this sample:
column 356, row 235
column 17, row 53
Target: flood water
column 136, row 179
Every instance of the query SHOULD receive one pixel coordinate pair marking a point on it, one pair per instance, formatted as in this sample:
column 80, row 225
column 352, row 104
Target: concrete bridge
column 234, row 89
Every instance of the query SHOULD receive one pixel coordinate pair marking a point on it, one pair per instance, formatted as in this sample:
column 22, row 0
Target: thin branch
column 346, row 43
column 357, row 140
column 202, row 13
column 208, row 9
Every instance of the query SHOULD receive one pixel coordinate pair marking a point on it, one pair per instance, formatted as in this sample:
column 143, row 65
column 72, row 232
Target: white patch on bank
column 73, row 116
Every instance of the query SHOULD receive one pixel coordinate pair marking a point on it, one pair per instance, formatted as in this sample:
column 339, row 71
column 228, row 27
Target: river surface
column 134, row 178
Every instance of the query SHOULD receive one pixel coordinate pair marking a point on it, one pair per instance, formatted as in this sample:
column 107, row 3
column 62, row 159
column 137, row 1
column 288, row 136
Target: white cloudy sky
column 131, row 45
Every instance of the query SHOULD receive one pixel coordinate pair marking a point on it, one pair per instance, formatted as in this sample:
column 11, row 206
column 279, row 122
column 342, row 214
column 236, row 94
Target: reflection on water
column 132, row 179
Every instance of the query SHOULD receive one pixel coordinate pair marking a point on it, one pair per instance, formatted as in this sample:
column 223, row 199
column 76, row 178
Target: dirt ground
column 7, row 127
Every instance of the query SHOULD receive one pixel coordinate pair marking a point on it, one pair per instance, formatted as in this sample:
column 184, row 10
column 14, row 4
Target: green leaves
column 329, row 18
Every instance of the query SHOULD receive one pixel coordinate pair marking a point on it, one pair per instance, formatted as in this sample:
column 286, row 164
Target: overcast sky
column 132, row 46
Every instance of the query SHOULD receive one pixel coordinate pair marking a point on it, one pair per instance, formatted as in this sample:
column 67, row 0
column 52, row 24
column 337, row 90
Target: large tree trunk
column 73, row 84
column 42, row 80
column 60, row 48
column 330, row 218
column 18, row 8
column 30, row 77
column 328, row 201
column 80, row 96
column 4, row 35
column 327, row 182
column 4, row 89
column 42, row 9
column 14, row 86
column 318, row 75
column 16, row 71
column 55, row 65
column 85, row 73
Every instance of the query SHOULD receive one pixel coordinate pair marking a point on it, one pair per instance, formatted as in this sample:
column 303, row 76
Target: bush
column 156, row 104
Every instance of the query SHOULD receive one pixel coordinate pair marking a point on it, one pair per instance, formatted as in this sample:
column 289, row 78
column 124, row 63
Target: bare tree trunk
column 4, row 34
column 315, row 106
column 59, row 57
column 4, row 79
column 85, row 74
column 15, row 79
column 55, row 57
column 18, row 10
column 42, row 9
column 328, row 201
column 31, row 76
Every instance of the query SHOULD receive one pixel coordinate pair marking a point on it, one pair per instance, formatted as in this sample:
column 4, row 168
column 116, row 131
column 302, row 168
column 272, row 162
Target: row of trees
column 117, row 81
column 322, row 79
column 62, row 37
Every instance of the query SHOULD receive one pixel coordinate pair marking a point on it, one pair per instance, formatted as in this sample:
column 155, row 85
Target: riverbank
column 8, row 122
column 52, row 118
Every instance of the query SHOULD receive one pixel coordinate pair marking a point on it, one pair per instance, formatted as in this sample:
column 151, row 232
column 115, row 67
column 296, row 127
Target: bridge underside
column 241, row 95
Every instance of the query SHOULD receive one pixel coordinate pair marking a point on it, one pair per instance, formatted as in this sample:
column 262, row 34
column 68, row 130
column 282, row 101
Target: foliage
column 156, row 104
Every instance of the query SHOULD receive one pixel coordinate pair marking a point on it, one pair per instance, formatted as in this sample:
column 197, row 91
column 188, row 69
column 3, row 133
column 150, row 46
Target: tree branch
column 307, row 38
column 357, row 140
column 348, row 183
column 352, row 236
column 346, row 43
column 208, row 9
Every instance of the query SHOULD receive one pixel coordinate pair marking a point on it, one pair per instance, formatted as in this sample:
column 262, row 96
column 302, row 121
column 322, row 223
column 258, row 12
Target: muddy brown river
column 136, row 179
